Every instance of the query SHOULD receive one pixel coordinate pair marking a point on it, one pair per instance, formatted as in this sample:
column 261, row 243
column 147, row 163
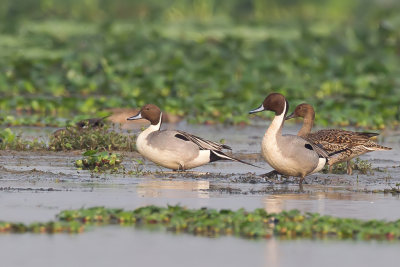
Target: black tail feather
column 218, row 155
column 226, row 147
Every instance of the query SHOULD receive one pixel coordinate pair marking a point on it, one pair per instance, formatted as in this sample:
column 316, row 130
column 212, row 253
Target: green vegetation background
column 209, row 60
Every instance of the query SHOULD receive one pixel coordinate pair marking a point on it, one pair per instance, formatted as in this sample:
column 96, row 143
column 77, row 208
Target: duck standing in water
column 288, row 154
column 340, row 144
column 175, row 150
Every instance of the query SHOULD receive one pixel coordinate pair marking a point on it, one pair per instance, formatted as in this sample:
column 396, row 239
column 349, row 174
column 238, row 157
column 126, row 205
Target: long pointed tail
column 379, row 147
column 367, row 134
column 218, row 155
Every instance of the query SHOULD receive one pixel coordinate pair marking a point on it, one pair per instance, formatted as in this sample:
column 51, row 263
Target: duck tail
column 380, row 147
column 226, row 147
column 368, row 134
column 219, row 155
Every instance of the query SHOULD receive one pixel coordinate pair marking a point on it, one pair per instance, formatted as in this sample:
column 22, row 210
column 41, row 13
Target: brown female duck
column 340, row 144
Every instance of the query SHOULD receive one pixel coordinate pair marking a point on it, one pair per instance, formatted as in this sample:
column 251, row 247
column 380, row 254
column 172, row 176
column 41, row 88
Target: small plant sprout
column 362, row 166
column 138, row 165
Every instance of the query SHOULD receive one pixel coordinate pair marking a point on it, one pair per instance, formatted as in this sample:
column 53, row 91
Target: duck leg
column 301, row 183
column 301, row 188
column 180, row 168
column 301, row 180
column 349, row 169
column 330, row 168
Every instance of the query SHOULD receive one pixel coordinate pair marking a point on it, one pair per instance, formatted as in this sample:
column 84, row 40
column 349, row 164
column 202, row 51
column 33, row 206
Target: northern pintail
column 288, row 154
column 175, row 150
column 340, row 144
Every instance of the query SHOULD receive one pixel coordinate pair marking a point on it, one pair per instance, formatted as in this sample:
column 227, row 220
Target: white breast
column 158, row 156
column 169, row 158
column 274, row 156
column 272, row 153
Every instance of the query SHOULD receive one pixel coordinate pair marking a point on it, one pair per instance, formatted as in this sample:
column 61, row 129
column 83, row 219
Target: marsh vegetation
column 197, row 58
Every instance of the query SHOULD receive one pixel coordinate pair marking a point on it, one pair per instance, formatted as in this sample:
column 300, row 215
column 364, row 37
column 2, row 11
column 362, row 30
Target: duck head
column 303, row 110
column 273, row 102
column 148, row 112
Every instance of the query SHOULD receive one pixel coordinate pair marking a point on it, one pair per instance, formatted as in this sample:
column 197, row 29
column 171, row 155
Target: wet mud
column 36, row 185
column 45, row 171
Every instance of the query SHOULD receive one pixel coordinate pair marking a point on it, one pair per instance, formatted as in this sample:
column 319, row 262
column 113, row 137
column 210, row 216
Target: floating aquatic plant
column 72, row 138
column 100, row 138
column 11, row 141
column 200, row 66
column 99, row 161
column 210, row 222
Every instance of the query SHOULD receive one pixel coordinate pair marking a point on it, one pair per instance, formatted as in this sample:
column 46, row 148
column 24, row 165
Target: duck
column 174, row 149
column 92, row 123
column 289, row 155
column 341, row 145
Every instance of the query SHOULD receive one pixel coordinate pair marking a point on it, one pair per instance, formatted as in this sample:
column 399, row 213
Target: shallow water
column 115, row 246
column 35, row 186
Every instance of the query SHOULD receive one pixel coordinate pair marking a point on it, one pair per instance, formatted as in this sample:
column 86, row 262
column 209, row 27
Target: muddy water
column 35, row 186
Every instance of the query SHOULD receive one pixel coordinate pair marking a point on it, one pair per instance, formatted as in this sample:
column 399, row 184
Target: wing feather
column 203, row 144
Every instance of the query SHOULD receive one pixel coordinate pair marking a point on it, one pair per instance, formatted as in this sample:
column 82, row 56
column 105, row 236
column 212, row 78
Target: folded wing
column 203, row 144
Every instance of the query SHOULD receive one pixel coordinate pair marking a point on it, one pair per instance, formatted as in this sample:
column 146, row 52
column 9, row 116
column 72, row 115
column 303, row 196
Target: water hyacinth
column 71, row 138
column 101, row 138
column 210, row 222
column 99, row 161
column 340, row 56
column 12, row 141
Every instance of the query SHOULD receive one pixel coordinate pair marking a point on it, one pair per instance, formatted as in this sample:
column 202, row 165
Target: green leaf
column 89, row 153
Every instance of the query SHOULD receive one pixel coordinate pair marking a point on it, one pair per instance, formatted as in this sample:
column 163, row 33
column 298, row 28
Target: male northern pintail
column 340, row 144
column 175, row 150
column 288, row 154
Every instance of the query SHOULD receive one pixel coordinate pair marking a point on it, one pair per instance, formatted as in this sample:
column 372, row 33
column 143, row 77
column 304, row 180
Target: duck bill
column 136, row 117
column 291, row 116
column 259, row 109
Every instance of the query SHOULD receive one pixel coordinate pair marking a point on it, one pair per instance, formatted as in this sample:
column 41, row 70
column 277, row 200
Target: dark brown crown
column 151, row 113
column 276, row 102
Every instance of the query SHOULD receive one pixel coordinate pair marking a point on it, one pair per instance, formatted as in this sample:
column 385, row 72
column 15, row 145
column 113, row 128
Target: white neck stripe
column 158, row 126
column 277, row 122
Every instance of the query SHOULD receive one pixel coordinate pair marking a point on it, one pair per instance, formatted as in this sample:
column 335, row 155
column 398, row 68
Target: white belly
column 170, row 159
column 321, row 164
column 273, row 155
column 290, row 162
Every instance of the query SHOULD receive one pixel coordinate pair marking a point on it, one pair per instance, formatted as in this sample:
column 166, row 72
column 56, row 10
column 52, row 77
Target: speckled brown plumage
column 340, row 144
column 335, row 140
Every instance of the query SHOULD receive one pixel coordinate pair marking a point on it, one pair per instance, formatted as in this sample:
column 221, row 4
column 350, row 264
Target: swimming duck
column 340, row 144
column 288, row 154
column 176, row 150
